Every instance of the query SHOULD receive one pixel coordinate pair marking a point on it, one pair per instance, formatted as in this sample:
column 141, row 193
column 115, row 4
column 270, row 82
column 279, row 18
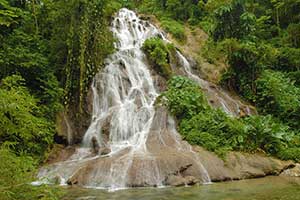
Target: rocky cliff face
column 72, row 125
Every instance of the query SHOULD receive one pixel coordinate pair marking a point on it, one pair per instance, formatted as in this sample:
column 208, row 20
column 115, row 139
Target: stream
column 270, row 188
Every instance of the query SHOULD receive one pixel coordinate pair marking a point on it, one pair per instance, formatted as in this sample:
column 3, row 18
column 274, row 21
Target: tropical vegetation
column 51, row 49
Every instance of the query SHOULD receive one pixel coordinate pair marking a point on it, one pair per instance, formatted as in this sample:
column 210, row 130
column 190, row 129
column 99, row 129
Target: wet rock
column 184, row 168
column 292, row 172
column 72, row 181
column 190, row 180
column 95, row 145
column 60, row 153
column 145, row 17
column 105, row 130
column 177, row 180
column 213, row 87
column 62, row 126
column 169, row 160
column 104, row 151
column 242, row 113
column 160, row 83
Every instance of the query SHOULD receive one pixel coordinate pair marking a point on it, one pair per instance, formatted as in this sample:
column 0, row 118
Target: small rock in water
column 178, row 181
column 72, row 181
column 293, row 172
column 95, row 144
column 190, row 180
column 104, row 151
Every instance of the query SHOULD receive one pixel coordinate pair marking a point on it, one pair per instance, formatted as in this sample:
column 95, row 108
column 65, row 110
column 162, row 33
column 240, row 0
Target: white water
column 69, row 130
column 124, row 92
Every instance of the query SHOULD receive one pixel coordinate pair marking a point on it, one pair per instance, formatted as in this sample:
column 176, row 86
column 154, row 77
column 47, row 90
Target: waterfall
column 124, row 92
column 130, row 142
column 217, row 97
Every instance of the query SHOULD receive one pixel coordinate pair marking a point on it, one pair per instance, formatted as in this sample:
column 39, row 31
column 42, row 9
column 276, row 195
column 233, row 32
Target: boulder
column 238, row 165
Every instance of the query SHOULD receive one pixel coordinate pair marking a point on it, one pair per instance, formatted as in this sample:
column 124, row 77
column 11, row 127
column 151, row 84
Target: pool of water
column 270, row 188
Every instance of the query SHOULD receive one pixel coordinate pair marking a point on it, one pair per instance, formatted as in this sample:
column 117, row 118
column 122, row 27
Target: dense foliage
column 49, row 52
column 264, row 62
column 23, row 126
column 159, row 55
column 277, row 94
column 79, row 40
column 216, row 131
column 16, row 173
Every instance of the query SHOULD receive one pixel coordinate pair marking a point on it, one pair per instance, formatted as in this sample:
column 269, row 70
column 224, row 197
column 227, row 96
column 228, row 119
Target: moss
column 174, row 27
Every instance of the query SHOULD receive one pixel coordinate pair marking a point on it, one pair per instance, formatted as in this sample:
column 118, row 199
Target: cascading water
column 124, row 92
column 217, row 97
column 130, row 142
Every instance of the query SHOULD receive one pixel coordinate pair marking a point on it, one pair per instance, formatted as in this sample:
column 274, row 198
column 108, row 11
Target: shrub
column 184, row 98
column 290, row 154
column 294, row 34
column 266, row 133
column 16, row 175
column 21, row 123
column 158, row 54
column 289, row 59
column 277, row 94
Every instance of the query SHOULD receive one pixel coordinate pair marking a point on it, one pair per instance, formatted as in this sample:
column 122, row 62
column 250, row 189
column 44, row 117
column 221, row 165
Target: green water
column 271, row 188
